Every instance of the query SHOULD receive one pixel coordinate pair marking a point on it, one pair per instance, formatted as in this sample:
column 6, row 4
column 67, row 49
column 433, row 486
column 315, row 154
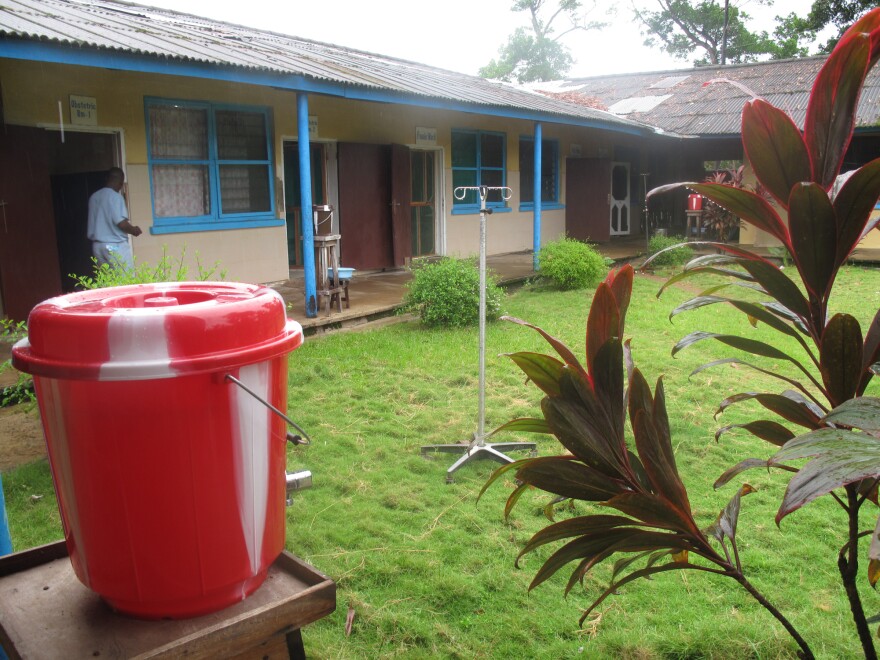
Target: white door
column 619, row 199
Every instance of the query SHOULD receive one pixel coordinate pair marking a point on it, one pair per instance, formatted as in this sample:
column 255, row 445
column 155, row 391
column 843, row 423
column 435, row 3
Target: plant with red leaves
column 825, row 387
column 586, row 410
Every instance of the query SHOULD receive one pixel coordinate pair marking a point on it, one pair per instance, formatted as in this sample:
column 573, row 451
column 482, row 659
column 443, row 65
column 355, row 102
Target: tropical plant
column 673, row 251
column 721, row 223
column 827, row 378
column 586, row 410
column 168, row 269
column 446, row 293
column 571, row 264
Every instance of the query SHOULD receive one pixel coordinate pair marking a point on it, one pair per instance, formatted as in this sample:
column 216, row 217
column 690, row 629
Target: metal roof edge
column 60, row 53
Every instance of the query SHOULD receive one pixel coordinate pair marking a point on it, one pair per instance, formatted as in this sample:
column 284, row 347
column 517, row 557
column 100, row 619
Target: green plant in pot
column 820, row 415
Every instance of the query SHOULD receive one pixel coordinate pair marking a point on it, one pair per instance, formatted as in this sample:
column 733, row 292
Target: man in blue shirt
column 109, row 227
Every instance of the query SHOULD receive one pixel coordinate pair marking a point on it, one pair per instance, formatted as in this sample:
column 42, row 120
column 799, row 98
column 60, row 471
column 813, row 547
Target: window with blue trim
column 549, row 171
column 210, row 166
column 478, row 159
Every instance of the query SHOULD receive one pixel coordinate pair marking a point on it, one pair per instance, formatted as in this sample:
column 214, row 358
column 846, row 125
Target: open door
column 587, row 199
column 365, row 206
column 401, row 199
column 29, row 270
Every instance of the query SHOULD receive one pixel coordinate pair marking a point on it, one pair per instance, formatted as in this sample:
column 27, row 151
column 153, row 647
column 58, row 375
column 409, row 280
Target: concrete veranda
column 379, row 294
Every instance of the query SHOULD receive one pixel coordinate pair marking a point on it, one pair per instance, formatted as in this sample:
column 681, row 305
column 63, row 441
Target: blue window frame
column 478, row 159
column 210, row 166
column 549, row 173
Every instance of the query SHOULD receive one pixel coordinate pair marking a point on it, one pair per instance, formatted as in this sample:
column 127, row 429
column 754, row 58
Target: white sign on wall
column 83, row 110
column 426, row 137
column 313, row 126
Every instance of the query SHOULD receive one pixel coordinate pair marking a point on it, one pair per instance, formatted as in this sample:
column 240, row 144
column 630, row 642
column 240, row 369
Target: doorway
column 46, row 179
column 620, row 199
column 324, row 191
column 423, row 202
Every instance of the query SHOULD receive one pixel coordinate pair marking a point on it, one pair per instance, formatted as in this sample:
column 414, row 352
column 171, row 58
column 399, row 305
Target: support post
column 536, row 188
column 305, row 196
column 5, row 540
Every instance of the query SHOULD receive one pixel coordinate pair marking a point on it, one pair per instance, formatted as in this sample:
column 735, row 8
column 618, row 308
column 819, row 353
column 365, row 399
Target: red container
column 695, row 202
column 170, row 478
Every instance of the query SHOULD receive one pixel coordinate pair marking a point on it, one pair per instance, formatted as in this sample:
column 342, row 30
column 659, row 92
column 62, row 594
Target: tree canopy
column 538, row 53
column 825, row 13
column 715, row 32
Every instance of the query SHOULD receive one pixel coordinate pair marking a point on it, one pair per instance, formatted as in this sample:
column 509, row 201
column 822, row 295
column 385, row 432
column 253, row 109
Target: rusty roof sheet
column 695, row 108
column 161, row 33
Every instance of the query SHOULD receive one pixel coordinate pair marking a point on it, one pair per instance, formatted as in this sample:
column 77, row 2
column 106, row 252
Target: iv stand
column 478, row 447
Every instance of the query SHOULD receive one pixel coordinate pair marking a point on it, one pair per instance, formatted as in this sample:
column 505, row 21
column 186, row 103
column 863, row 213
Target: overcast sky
column 461, row 35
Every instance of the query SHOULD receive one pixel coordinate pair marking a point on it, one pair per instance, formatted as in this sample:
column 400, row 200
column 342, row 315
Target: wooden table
column 46, row 613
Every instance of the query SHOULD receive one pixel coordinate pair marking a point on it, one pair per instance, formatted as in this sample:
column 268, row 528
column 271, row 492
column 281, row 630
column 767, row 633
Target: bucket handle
column 301, row 439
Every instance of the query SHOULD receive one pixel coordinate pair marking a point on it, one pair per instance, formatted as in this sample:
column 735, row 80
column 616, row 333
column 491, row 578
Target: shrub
column 572, row 264
column 22, row 391
column 447, row 293
column 676, row 256
column 168, row 269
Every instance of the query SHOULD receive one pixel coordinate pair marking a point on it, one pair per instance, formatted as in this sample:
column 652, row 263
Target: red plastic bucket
column 695, row 202
column 170, row 478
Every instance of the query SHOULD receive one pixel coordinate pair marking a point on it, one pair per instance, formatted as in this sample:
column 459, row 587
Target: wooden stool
column 327, row 256
column 343, row 285
column 45, row 612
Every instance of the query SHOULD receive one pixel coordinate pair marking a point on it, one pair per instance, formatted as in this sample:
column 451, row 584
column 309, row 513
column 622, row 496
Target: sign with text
column 426, row 137
column 83, row 110
column 313, row 126
column 575, row 150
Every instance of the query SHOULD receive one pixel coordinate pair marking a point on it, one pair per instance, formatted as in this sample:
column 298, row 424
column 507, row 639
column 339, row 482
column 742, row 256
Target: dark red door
column 29, row 271
column 587, row 192
column 401, row 201
column 365, row 205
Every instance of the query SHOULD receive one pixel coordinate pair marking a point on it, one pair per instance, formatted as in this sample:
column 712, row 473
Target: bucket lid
column 147, row 331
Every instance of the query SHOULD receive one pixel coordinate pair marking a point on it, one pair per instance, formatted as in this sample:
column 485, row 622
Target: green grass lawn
column 430, row 573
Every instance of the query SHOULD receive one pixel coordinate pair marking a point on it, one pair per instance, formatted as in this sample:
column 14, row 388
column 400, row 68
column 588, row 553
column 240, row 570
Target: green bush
column 447, row 293
column 169, row 269
column 572, row 264
column 674, row 257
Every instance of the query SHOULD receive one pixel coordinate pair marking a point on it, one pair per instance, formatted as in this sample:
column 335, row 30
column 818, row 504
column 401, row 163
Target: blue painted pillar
column 5, row 539
column 536, row 239
column 305, row 197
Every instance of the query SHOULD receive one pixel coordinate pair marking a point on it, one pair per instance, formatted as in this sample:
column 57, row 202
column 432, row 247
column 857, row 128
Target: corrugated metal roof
column 160, row 33
column 694, row 108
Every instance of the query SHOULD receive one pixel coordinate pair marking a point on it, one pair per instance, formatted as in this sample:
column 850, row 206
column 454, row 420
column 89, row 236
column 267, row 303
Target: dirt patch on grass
column 21, row 437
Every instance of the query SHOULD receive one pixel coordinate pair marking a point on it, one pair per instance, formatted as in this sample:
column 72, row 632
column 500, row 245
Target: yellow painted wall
column 32, row 92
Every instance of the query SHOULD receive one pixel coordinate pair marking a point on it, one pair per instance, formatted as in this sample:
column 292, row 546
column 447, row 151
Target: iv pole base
column 479, row 451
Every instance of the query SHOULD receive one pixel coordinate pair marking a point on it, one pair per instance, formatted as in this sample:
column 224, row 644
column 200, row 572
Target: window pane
column 417, row 176
column 465, row 178
column 429, row 177
column 181, row 191
column 464, row 149
column 526, row 171
column 549, row 165
column 493, row 178
column 241, row 135
column 492, row 150
column 244, row 189
column 178, row 133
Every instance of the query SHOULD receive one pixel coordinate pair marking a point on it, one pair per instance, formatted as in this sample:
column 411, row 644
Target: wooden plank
column 45, row 612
